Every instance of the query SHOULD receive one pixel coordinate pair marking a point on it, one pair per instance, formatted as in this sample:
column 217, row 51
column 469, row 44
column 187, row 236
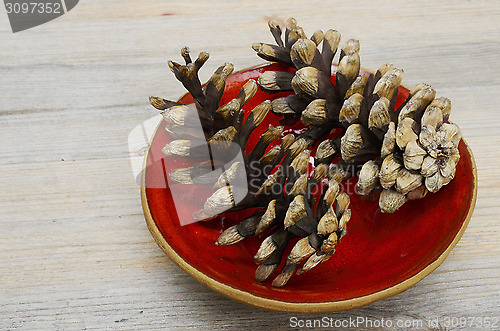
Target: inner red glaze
column 378, row 252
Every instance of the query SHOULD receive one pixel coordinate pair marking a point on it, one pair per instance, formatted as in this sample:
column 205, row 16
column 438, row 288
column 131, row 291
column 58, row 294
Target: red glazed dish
column 381, row 255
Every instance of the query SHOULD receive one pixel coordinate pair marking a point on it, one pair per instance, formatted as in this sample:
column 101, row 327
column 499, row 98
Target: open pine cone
column 406, row 152
column 415, row 138
column 418, row 148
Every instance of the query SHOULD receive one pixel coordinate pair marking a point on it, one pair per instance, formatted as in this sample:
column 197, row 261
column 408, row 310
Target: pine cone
column 418, row 148
column 284, row 185
column 407, row 151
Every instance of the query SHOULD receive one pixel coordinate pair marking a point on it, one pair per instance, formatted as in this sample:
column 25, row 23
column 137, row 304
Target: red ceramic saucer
column 382, row 254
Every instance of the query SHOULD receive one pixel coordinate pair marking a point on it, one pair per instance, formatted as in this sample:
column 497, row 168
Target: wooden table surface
column 75, row 252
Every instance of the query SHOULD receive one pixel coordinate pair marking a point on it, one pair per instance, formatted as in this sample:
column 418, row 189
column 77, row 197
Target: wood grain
column 75, row 252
